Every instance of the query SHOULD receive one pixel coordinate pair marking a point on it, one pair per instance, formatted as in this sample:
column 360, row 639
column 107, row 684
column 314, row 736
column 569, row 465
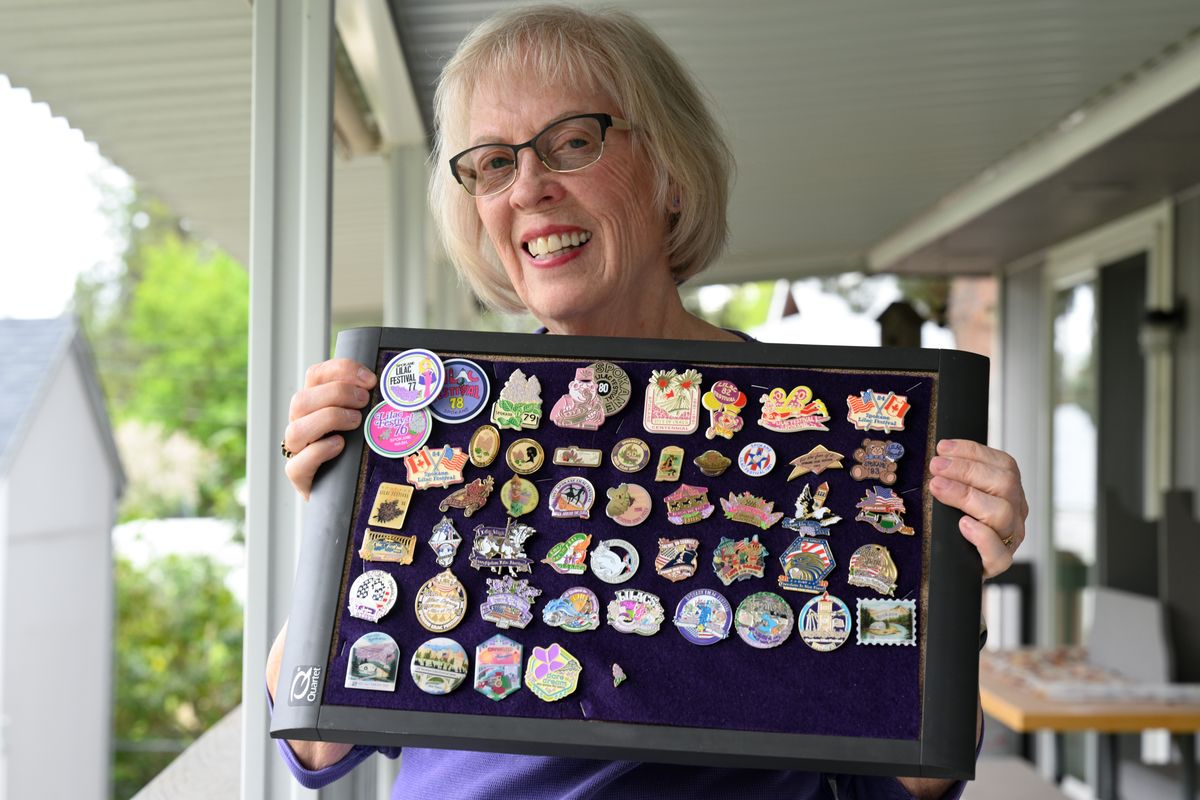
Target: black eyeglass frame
column 606, row 121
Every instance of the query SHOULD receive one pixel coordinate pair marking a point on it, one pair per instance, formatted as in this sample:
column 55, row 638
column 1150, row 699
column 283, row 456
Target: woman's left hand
column 985, row 484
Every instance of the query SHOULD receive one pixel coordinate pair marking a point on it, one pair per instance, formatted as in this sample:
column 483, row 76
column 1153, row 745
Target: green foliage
column 170, row 332
column 748, row 306
column 178, row 661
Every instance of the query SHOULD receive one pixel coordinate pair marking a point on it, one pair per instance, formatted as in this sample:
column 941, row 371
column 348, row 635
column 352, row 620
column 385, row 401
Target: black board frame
column 945, row 747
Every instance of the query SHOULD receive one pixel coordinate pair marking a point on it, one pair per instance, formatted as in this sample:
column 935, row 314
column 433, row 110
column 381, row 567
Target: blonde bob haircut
column 613, row 53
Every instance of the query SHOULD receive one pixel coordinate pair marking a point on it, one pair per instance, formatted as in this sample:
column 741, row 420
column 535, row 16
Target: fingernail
column 365, row 376
column 939, row 463
column 946, row 446
column 360, row 396
column 353, row 416
column 939, row 484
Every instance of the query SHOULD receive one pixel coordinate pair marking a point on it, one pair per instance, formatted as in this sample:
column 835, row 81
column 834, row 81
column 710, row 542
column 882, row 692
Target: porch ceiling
column 848, row 122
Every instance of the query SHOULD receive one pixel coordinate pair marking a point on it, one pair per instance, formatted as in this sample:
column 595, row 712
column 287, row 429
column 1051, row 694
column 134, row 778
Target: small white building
column 60, row 480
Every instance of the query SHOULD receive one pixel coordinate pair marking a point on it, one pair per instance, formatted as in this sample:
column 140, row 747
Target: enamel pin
column 636, row 611
column 484, row 445
column 812, row 516
column 881, row 509
column 825, row 623
column 569, row 557
column 519, row 496
column 497, row 548
column 816, row 461
column 875, row 411
column 676, row 559
column 806, row 562
column 372, row 663
column 871, row 566
column 628, row 504
column 573, row 456
column 469, row 498
column 393, row 433
column 577, row 610
column 797, row 410
column 670, row 463
column 724, row 402
column 757, row 459
column 614, row 560
column 498, row 667
column 441, row 602
column 509, row 601
column 379, row 546
column 712, row 463
column 764, row 620
column 525, row 456
column 619, row 675
column 372, row 595
column 439, row 666
column 672, row 402
column 464, row 394
column 572, row 498
column 445, row 541
column 520, row 402
column 552, row 673
column 750, row 509
column 581, row 407
column 703, row 617
column 612, row 385
column 412, row 379
column 630, row 455
column 877, row 461
column 435, row 469
column 887, row 622
column 391, row 505
column 737, row 561
column 688, row 504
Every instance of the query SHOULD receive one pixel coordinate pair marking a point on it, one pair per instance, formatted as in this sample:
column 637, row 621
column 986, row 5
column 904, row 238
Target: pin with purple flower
column 552, row 673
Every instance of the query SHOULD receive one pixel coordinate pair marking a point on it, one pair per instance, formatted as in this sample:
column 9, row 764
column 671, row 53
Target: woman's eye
column 496, row 161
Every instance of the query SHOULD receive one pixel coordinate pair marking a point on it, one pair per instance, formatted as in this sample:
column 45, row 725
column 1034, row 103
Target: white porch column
column 406, row 268
column 289, row 327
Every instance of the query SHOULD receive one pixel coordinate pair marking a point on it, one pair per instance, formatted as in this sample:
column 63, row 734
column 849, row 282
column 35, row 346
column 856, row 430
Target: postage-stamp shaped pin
column 887, row 622
column 672, row 402
column 789, row 412
column 877, row 411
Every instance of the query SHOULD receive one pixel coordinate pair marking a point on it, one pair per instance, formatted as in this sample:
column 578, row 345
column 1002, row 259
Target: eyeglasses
column 565, row 146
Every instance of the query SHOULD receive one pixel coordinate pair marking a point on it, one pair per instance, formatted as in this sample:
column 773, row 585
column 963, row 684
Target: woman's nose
column 535, row 184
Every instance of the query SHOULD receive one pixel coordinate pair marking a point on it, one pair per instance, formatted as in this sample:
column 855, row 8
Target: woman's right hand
column 334, row 393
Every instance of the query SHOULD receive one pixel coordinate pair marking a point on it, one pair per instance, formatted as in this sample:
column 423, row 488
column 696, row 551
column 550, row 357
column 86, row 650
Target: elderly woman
column 580, row 176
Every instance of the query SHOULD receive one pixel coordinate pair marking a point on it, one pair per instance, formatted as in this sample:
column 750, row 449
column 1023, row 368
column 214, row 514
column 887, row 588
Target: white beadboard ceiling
column 849, row 121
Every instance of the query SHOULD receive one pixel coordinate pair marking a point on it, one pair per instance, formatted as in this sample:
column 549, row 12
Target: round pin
column 614, row 561
column 764, row 620
column 372, row 595
column 703, row 617
column 441, row 602
column 484, row 445
column 464, row 392
column 552, row 673
column 393, row 433
column 756, row 459
column 628, row 504
column 612, row 385
column 825, row 623
column 519, row 496
column 575, row 611
column 572, row 497
column 412, row 379
column 631, row 455
column 372, row 663
column 439, row 666
column 525, row 456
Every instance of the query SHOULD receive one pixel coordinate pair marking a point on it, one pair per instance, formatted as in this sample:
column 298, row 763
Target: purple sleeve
column 316, row 778
column 866, row 788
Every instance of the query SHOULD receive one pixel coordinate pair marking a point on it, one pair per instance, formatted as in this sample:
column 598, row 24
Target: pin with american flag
column 877, row 411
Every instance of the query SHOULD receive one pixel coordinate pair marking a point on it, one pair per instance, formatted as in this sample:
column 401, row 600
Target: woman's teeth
column 554, row 243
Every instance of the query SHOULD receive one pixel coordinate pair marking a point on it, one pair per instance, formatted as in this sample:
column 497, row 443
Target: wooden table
column 1025, row 711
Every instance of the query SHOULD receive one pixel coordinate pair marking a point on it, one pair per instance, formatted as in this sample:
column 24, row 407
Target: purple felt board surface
column 857, row 690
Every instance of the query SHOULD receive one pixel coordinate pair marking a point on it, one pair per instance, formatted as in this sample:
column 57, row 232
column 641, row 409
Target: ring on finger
column 1007, row 541
column 283, row 448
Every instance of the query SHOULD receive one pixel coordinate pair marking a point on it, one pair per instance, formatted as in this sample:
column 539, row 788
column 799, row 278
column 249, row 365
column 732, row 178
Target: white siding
column 58, row 595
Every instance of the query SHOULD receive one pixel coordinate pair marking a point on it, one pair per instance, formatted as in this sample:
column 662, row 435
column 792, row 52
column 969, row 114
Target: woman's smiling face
column 581, row 246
